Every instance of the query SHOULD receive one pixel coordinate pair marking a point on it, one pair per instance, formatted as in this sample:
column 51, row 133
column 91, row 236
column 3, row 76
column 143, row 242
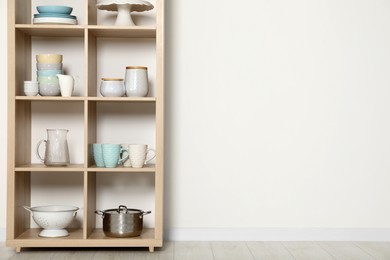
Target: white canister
column 136, row 81
column 112, row 87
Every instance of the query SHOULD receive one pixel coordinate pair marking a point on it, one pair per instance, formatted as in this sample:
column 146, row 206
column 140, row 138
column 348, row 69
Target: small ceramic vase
column 136, row 81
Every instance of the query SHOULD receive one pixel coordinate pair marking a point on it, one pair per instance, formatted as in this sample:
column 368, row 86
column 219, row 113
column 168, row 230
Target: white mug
column 138, row 155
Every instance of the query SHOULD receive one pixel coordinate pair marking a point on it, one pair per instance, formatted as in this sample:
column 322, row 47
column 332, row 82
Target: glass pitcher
column 56, row 152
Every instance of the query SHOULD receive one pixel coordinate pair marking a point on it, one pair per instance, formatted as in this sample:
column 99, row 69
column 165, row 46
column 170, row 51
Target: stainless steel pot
column 122, row 222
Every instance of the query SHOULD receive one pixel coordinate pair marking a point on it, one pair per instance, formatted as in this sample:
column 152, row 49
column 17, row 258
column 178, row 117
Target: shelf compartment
column 147, row 238
column 42, row 168
column 123, row 31
column 30, row 238
column 146, row 168
column 51, row 30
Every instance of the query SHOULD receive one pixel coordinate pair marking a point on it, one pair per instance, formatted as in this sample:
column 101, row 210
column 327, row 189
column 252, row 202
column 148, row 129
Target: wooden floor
column 216, row 251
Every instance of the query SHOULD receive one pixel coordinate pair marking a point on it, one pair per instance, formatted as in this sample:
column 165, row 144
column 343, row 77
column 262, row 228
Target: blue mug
column 111, row 155
column 98, row 155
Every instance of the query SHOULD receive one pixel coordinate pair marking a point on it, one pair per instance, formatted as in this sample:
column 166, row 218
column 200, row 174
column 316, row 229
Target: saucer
column 54, row 20
column 54, row 15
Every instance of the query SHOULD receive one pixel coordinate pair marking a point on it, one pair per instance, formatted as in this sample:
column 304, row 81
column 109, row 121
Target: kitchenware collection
column 130, row 155
column 135, row 83
column 54, row 14
column 121, row 222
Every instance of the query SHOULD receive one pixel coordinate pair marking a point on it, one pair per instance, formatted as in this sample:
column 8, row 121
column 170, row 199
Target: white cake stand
column 124, row 8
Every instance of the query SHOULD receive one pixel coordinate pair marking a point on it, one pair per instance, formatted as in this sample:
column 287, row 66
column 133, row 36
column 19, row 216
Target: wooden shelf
column 123, row 99
column 143, row 45
column 123, row 31
column 51, row 30
column 30, row 238
column 43, row 168
column 47, row 98
column 99, row 99
column 146, row 168
column 59, row 30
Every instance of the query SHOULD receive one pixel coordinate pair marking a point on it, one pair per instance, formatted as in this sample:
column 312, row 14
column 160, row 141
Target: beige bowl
column 49, row 58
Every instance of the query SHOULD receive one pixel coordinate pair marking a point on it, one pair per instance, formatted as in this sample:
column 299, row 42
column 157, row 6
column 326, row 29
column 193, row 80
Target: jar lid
column 112, row 79
column 137, row 67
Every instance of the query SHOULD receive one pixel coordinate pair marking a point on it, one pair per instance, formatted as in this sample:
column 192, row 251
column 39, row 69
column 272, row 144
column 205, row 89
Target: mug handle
column 123, row 159
column 147, row 152
column 37, row 150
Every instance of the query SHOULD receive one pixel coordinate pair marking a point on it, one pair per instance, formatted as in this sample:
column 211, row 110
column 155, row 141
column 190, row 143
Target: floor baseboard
column 278, row 234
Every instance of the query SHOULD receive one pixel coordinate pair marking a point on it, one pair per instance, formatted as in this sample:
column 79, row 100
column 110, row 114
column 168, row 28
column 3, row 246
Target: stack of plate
column 54, row 14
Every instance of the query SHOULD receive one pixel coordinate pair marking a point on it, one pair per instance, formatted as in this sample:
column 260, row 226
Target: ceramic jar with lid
column 112, row 87
column 136, row 81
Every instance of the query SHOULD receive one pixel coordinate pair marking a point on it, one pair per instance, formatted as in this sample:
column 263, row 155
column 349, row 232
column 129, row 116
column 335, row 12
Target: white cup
column 138, row 155
column 125, row 153
column 31, row 88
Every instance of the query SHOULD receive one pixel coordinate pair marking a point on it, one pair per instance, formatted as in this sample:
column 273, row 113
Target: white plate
column 55, row 20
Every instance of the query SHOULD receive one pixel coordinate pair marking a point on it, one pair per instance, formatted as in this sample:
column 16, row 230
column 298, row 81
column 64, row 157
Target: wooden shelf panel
column 46, row 98
column 123, row 99
column 120, row 168
column 98, row 99
column 80, row 168
column 59, row 30
column 30, row 238
column 52, row 30
column 123, row 31
column 147, row 238
column 42, row 168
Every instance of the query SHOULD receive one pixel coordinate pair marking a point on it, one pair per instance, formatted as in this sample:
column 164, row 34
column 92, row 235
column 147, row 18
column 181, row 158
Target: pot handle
column 145, row 213
column 99, row 212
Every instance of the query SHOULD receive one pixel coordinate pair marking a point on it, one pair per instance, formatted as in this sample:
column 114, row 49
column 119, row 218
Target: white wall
column 276, row 117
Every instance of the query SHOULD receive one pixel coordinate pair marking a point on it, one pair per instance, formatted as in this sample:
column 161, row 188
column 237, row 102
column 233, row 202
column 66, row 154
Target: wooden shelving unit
column 21, row 32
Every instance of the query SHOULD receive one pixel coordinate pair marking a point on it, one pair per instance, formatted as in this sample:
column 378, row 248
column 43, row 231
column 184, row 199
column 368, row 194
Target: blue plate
column 54, row 9
column 54, row 15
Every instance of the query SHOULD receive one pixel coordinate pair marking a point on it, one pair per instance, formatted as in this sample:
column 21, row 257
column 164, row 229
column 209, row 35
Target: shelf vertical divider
column 23, row 12
column 159, row 179
column 90, row 126
column 91, row 16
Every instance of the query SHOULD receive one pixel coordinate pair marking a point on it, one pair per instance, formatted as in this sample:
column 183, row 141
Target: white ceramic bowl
column 47, row 73
column 49, row 89
column 112, row 87
column 48, row 79
column 49, row 66
column 31, row 93
column 53, row 219
column 49, row 58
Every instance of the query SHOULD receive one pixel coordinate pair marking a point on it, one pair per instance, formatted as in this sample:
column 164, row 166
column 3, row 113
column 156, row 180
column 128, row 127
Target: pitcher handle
column 154, row 155
column 37, row 150
column 126, row 157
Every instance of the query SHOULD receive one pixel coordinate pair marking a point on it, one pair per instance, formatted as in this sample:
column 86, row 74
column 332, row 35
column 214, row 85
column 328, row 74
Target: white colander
column 53, row 219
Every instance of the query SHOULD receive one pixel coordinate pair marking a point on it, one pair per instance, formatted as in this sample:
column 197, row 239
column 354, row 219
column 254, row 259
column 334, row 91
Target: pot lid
column 122, row 210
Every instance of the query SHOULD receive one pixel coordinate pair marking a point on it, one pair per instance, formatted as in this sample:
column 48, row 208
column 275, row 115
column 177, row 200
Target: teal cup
column 98, row 155
column 111, row 155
